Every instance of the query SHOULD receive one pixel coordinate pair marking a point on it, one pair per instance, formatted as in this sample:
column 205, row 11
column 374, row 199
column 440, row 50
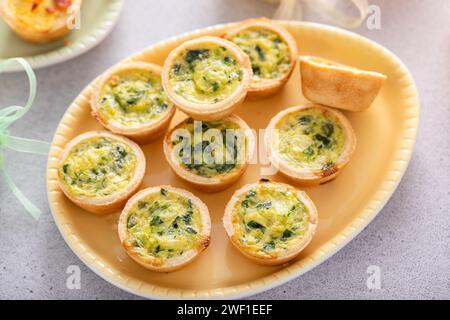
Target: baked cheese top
column 98, row 167
column 164, row 225
column 269, row 219
column 310, row 139
column 205, row 75
column 41, row 15
column 209, row 148
column 269, row 53
column 133, row 97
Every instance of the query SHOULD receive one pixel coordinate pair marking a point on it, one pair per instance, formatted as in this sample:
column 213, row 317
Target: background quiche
column 310, row 144
column 270, row 223
column 339, row 86
column 99, row 171
column 130, row 100
column 39, row 20
column 272, row 51
column 192, row 149
column 164, row 228
column 207, row 78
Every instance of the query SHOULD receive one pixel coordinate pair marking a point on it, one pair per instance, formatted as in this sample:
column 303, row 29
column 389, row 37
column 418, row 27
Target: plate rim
column 368, row 213
column 77, row 48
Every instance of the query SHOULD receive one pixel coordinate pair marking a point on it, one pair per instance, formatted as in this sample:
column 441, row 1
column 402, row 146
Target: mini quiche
column 272, row 51
column 130, row 100
column 270, row 223
column 310, row 144
column 339, row 86
column 210, row 155
column 99, row 171
column 39, row 21
column 164, row 228
column 207, row 78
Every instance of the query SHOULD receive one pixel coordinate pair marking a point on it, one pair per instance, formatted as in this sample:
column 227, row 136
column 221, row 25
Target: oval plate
column 386, row 134
column 97, row 20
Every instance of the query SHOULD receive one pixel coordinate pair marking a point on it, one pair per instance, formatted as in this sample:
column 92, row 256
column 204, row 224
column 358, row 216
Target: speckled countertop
column 409, row 240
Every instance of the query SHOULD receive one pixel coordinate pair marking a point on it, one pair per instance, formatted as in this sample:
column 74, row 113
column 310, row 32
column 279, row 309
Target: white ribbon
column 327, row 9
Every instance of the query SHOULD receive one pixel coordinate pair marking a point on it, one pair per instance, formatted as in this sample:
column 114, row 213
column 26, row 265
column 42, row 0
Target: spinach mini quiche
column 210, row 155
column 272, row 51
column 39, row 21
column 164, row 228
column 130, row 100
column 207, row 77
column 269, row 222
column 310, row 144
column 339, row 86
column 99, row 171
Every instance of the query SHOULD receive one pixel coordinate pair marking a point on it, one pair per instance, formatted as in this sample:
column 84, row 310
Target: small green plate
column 98, row 17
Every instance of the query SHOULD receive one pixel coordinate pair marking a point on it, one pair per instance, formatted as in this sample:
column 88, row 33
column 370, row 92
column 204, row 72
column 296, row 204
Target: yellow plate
column 386, row 134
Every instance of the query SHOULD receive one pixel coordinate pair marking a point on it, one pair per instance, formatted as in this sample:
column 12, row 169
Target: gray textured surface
column 409, row 240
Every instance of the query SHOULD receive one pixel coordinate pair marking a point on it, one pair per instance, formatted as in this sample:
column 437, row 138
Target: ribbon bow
column 8, row 116
column 328, row 9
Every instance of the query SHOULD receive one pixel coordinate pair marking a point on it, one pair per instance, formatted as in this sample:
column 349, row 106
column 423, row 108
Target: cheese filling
column 309, row 139
column 269, row 53
column 41, row 15
column 270, row 219
column 164, row 225
column 98, row 167
column 209, row 149
column 205, row 75
column 133, row 97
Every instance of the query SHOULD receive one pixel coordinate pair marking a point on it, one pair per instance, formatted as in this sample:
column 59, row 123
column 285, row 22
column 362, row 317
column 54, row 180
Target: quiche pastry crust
column 267, row 87
column 304, row 175
column 296, row 246
column 339, row 86
column 111, row 202
column 222, row 181
column 208, row 110
column 32, row 31
column 142, row 132
column 166, row 264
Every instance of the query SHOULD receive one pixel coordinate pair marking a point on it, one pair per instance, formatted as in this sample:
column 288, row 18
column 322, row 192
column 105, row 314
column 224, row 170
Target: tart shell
column 305, row 176
column 29, row 33
column 210, row 184
column 267, row 259
column 140, row 133
column 339, row 86
column 174, row 263
column 116, row 201
column 266, row 88
column 214, row 111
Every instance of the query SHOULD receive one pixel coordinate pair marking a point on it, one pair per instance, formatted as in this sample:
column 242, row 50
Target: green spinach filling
column 164, row 225
column 310, row 139
column 201, row 155
column 270, row 218
column 133, row 97
column 98, row 167
column 205, row 75
column 269, row 53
